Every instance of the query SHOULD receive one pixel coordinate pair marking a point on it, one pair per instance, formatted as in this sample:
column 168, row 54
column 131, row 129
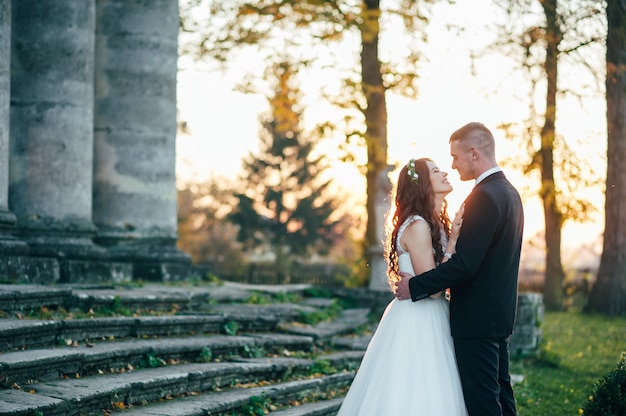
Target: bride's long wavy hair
column 412, row 198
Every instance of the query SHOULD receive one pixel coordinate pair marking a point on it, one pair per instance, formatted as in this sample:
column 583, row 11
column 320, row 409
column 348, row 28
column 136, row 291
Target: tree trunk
column 608, row 295
column 552, row 290
column 375, row 120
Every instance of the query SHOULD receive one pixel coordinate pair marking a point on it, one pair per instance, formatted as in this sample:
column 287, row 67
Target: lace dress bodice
column 404, row 260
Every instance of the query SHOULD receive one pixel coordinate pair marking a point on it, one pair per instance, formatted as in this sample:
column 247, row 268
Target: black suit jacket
column 482, row 275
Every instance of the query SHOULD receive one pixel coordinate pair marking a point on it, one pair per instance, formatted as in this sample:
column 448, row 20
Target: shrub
column 231, row 328
column 206, row 355
column 609, row 396
column 151, row 361
column 256, row 406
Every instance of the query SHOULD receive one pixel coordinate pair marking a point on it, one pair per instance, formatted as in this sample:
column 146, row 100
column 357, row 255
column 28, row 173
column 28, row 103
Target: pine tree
column 285, row 204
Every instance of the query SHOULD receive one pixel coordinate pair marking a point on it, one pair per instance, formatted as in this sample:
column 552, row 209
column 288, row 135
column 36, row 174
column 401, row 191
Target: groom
column 482, row 275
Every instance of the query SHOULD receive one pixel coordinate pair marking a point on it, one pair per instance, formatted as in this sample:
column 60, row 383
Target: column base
column 9, row 245
column 162, row 271
column 92, row 271
column 70, row 242
column 29, row 270
column 153, row 259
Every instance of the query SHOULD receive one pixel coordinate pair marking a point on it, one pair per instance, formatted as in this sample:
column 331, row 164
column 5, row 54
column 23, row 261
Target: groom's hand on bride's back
column 402, row 286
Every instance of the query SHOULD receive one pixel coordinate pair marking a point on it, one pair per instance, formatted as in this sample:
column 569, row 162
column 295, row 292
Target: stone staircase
column 224, row 349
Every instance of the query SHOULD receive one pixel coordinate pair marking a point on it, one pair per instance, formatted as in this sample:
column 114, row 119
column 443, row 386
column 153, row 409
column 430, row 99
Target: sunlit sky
column 224, row 123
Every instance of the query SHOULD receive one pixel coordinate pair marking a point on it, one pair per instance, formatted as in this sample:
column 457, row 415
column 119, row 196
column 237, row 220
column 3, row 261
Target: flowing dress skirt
column 409, row 367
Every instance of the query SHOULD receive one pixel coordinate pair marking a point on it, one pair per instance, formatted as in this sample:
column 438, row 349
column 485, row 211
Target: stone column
column 15, row 266
column 135, row 132
column 51, row 138
column 9, row 245
column 378, row 264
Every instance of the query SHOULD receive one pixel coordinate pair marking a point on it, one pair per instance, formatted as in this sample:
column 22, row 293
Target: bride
column 409, row 367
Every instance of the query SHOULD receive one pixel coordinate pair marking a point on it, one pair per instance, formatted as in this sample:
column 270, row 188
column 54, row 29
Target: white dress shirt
column 487, row 173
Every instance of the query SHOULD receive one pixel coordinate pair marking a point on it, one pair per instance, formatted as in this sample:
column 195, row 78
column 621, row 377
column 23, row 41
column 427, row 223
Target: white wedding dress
column 409, row 367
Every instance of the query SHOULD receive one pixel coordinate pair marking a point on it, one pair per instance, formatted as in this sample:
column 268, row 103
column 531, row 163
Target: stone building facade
column 87, row 141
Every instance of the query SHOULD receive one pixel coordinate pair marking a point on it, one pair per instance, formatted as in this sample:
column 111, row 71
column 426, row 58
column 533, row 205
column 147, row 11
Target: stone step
column 28, row 334
column 354, row 341
column 21, row 298
column 322, row 408
column 347, row 321
column 196, row 387
column 157, row 297
column 342, row 359
column 22, row 367
column 25, row 297
column 16, row 334
column 230, row 402
column 156, row 364
column 279, row 311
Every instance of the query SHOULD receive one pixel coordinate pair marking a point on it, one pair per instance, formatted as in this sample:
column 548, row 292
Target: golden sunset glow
column 224, row 124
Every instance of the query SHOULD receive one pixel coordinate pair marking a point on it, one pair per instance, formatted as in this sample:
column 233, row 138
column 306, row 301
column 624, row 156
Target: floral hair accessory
column 411, row 171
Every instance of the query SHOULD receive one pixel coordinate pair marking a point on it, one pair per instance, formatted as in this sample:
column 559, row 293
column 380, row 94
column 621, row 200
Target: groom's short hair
column 478, row 135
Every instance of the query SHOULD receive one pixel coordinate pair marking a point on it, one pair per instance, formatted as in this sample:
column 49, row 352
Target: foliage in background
column 577, row 351
column 284, row 203
column 312, row 32
column 545, row 39
column 203, row 231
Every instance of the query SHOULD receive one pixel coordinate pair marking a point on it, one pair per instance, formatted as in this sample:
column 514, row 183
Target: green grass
column 577, row 351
